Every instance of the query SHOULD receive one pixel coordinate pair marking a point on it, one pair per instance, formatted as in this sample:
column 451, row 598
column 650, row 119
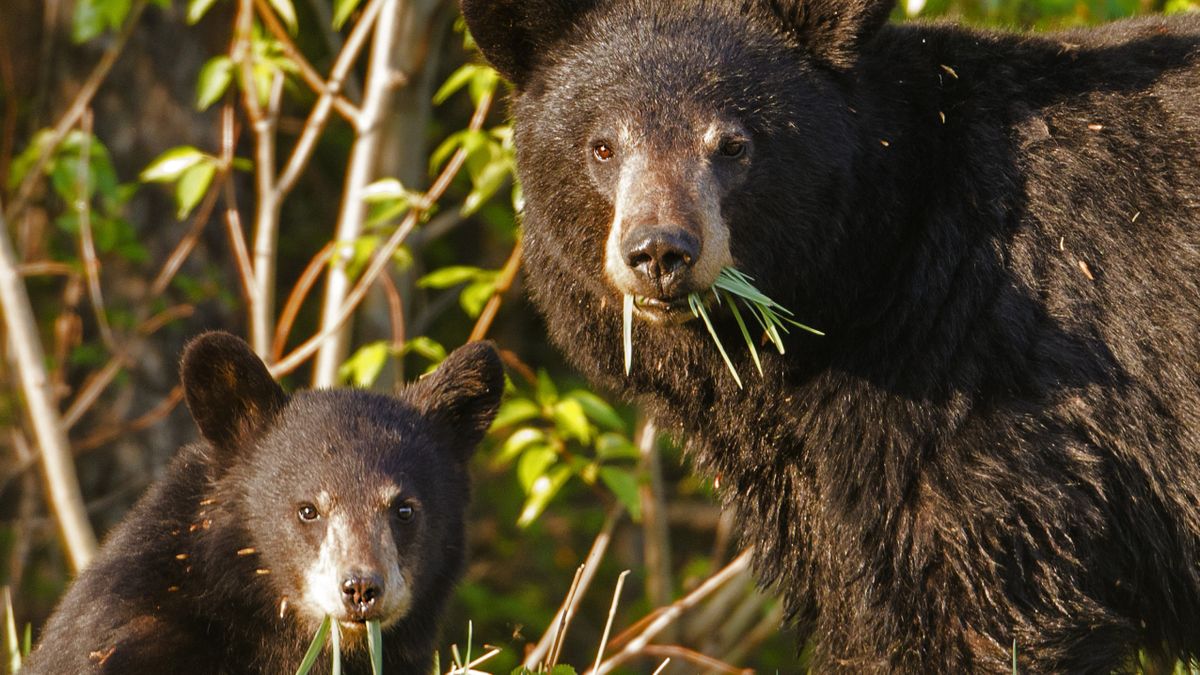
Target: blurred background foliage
column 136, row 227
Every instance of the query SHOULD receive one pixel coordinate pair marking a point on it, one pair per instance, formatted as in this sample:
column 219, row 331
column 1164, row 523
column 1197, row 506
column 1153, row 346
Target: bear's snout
column 661, row 256
column 360, row 591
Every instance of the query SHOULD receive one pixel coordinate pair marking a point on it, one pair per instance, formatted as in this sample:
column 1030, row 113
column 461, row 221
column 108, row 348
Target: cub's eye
column 308, row 513
column 405, row 512
column 733, row 148
column 603, row 152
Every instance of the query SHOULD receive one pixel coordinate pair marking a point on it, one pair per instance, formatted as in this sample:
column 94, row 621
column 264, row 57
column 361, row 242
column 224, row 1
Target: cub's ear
column 462, row 396
column 832, row 30
column 228, row 389
column 513, row 34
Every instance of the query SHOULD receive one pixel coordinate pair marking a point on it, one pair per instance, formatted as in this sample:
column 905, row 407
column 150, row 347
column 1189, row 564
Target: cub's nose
column 360, row 590
column 655, row 253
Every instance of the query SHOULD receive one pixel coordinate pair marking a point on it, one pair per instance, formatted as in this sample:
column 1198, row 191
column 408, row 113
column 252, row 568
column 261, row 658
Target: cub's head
column 353, row 503
column 659, row 142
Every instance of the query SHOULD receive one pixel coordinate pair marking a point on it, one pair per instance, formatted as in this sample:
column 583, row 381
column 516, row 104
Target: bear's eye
column 603, row 152
column 405, row 512
column 308, row 513
column 733, row 148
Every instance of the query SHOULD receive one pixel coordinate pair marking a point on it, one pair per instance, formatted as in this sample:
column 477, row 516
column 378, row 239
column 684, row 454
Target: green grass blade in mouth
column 737, row 316
column 314, row 650
column 698, row 309
column 375, row 646
column 628, row 313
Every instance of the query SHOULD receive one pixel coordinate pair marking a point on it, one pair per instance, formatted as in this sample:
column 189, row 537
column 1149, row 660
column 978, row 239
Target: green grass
column 731, row 287
column 329, row 632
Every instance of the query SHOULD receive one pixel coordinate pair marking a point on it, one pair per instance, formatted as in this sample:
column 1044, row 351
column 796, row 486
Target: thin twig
column 384, row 253
column 635, row 643
column 590, row 565
column 564, row 621
column 87, row 243
column 685, row 654
column 145, row 421
column 58, row 467
column 395, row 310
column 503, row 284
column 299, row 293
column 656, row 543
column 612, row 613
column 75, row 111
column 320, row 112
column 309, row 74
column 381, row 83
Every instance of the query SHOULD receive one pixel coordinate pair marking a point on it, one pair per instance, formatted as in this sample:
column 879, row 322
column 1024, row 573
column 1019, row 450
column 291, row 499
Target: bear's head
column 350, row 504
column 659, row 142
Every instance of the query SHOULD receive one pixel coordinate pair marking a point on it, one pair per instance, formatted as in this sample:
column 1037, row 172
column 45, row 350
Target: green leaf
column 314, row 649
column 172, row 164
column 385, row 190
column 342, row 9
column 12, row 645
column 547, row 393
column 363, row 368
column 286, row 12
column 571, row 421
column 515, row 411
column 544, row 490
column 192, row 187
column 448, row 277
column 197, row 9
column 598, row 410
column 533, row 465
column 475, row 296
column 457, row 80
column 426, row 347
column 487, row 184
column 93, row 17
column 624, row 485
column 520, row 441
column 213, row 81
column 612, row 447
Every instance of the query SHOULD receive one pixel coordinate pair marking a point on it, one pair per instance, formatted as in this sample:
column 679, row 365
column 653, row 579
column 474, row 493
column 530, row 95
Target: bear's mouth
column 658, row 310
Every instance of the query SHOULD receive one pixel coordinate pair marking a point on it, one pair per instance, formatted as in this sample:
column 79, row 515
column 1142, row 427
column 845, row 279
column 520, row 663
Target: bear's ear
column 512, row 34
column 462, row 396
column 832, row 30
column 228, row 389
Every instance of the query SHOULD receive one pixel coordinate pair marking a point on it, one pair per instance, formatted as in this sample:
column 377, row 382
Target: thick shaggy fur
column 194, row 578
column 998, row 441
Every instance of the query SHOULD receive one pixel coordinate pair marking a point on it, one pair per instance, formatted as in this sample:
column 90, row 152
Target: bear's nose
column 659, row 252
column 360, row 590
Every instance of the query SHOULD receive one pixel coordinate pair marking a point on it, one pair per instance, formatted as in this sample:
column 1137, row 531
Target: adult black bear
column 293, row 508
column 998, row 442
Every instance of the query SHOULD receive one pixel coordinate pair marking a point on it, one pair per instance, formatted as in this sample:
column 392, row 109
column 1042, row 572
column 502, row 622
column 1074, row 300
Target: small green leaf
column 598, row 410
column 611, row 447
column 533, row 465
column 197, row 9
column 448, row 277
column 475, row 296
column 363, row 368
column 314, row 649
column 544, row 489
column 286, row 12
column 426, row 347
column 571, row 420
column 515, row 411
column 213, row 81
column 624, row 485
column 520, row 441
column 192, row 186
column 342, row 9
column 457, row 80
column 385, row 190
column 172, row 164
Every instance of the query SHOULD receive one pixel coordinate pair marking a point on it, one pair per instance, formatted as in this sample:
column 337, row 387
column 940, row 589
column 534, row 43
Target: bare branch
column 636, row 644
column 58, row 467
column 503, row 284
column 381, row 82
column 87, row 243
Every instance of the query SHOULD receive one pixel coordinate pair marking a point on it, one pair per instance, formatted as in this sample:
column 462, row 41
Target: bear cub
column 291, row 508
